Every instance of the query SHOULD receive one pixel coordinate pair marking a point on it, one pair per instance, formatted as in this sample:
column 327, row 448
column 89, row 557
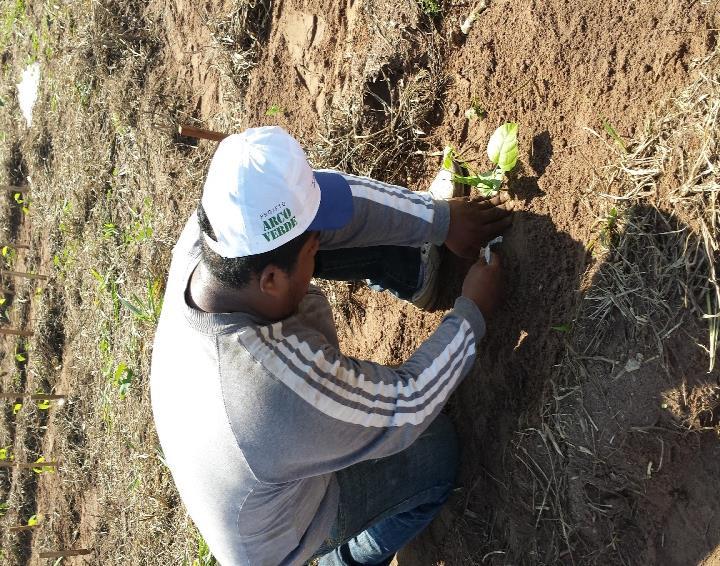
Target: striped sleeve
column 386, row 214
column 345, row 410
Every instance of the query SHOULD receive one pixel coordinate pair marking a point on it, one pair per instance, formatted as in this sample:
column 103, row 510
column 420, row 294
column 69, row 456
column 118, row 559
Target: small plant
column 609, row 231
column 613, row 134
column 146, row 310
column 43, row 469
column 204, row 556
column 109, row 231
column 275, row 110
column 476, row 110
column 23, row 202
column 6, row 453
column 502, row 149
column 122, row 378
column 9, row 254
column 431, row 8
column 16, row 408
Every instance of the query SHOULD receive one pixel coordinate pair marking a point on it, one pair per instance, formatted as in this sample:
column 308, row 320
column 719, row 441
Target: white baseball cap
column 260, row 193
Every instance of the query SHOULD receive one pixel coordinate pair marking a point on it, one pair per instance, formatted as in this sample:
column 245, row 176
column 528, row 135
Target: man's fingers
column 498, row 227
column 495, row 213
column 497, row 200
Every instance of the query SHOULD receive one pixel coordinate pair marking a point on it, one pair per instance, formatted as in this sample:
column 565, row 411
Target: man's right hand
column 483, row 284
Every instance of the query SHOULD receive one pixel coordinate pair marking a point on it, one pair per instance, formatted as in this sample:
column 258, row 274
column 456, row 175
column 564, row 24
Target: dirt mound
column 558, row 72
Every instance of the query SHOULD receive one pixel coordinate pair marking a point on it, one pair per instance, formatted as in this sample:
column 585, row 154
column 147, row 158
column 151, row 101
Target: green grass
column 431, row 8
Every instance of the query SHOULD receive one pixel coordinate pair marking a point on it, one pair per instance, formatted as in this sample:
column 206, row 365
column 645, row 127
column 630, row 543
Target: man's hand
column 474, row 223
column 483, row 284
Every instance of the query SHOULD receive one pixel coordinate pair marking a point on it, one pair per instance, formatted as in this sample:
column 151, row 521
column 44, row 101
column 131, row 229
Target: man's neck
column 207, row 293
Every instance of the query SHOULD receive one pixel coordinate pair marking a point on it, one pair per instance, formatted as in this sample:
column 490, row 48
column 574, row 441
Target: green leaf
column 43, row 404
column 43, row 469
column 34, row 520
column 122, row 378
column 502, row 148
column 562, row 328
column 274, row 110
column 448, row 156
column 490, row 180
column 612, row 133
column 16, row 408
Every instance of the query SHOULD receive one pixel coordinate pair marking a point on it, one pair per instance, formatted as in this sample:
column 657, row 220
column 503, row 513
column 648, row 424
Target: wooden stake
column 63, row 553
column 16, row 246
column 38, row 397
column 16, row 332
column 200, row 133
column 22, row 528
column 28, row 465
column 14, row 189
column 24, row 274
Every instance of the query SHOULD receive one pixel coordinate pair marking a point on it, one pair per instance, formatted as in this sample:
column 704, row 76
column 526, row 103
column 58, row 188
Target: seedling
column 9, row 254
column 122, row 378
column 476, row 111
column 16, row 408
column 23, row 202
column 274, row 110
column 6, row 453
column 47, row 468
column 148, row 309
column 204, row 556
column 502, row 149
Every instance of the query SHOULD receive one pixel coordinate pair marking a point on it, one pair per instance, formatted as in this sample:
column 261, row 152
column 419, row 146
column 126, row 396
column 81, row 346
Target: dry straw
column 657, row 253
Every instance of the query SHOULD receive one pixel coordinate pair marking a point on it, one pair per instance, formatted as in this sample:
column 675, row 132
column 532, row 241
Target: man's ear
column 273, row 281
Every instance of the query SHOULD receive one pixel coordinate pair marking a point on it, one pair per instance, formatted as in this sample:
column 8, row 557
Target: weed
column 476, row 110
column 274, row 110
column 140, row 228
column 613, row 134
column 204, row 556
column 122, row 378
column 431, row 8
column 147, row 309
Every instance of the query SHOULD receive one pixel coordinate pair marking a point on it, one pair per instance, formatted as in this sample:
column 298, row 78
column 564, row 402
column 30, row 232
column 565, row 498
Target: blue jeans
column 385, row 503
column 394, row 268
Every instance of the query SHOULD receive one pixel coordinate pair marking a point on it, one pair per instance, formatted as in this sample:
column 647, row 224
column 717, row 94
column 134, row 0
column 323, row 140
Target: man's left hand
column 474, row 223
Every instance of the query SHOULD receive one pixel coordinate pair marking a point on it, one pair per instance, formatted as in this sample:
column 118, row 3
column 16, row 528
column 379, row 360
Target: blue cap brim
column 336, row 203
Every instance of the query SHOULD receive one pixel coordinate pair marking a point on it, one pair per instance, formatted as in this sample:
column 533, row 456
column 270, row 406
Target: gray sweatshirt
column 255, row 418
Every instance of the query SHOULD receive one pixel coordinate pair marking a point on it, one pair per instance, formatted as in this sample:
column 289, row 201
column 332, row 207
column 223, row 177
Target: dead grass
column 382, row 131
column 654, row 281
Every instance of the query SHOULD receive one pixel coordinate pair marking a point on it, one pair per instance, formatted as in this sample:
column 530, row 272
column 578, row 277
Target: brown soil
column 640, row 453
column 556, row 70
